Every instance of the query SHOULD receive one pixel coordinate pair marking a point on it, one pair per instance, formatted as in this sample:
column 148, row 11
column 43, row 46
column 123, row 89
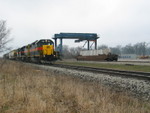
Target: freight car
column 38, row 51
column 97, row 55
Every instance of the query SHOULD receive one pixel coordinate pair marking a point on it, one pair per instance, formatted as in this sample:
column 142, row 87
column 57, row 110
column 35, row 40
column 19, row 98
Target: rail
column 135, row 74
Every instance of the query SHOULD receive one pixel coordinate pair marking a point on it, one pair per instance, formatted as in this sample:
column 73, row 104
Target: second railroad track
column 135, row 74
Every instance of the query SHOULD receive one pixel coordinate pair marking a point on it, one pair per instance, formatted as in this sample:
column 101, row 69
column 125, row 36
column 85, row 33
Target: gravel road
column 138, row 88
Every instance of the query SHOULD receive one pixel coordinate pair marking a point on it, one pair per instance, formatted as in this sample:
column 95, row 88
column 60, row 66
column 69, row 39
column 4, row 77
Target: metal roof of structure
column 79, row 36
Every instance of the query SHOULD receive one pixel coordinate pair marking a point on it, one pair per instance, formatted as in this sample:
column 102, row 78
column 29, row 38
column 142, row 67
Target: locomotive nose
column 48, row 49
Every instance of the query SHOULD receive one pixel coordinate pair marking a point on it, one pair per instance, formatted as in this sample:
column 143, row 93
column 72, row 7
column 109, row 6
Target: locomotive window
column 45, row 42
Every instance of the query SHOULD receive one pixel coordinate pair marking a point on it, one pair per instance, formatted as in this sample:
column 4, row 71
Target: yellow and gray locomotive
column 40, row 50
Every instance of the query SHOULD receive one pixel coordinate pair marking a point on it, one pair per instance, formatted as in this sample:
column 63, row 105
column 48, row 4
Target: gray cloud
column 117, row 21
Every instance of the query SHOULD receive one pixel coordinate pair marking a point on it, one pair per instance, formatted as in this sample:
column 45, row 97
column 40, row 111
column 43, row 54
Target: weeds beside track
column 26, row 89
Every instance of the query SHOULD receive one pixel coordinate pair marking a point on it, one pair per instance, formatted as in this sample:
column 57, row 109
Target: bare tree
column 103, row 47
column 141, row 48
column 69, row 53
column 75, row 51
column 4, row 36
column 116, row 50
column 66, row 53
column 4, row 39
column 128, row 49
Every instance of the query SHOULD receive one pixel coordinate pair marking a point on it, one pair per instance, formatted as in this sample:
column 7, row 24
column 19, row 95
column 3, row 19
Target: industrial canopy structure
column 88, row 37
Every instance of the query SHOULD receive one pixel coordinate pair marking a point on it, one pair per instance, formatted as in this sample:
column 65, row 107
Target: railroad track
column 138, row 75
column 136, row 61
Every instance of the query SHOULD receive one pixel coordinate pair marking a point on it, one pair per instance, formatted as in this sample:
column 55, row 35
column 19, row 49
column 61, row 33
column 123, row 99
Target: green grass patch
column 4, row 108
column 126, row 67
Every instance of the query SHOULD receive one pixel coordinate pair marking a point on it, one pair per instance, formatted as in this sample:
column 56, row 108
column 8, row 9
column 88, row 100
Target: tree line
column 141, row 49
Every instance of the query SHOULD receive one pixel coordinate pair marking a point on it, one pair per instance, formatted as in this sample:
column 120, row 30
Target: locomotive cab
column 46, row 49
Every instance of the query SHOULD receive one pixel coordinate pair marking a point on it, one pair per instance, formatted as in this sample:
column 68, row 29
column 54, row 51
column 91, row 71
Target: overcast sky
column 117, row 22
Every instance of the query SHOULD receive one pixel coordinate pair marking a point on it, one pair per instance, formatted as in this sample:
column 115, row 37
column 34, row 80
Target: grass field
column 111, row 66
column 26, row 89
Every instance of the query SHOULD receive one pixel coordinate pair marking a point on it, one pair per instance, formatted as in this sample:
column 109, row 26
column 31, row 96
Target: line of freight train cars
column 38, row 51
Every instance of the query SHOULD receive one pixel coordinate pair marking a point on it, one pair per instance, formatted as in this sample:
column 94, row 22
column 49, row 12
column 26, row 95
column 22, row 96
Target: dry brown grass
column 25, row 89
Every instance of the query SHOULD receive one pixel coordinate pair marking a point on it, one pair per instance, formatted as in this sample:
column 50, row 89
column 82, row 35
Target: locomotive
column 38, row 51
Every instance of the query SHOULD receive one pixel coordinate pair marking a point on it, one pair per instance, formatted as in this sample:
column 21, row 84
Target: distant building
column 128, row 56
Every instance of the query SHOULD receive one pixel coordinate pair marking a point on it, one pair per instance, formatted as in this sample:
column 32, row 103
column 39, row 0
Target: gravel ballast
column 136, row 87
